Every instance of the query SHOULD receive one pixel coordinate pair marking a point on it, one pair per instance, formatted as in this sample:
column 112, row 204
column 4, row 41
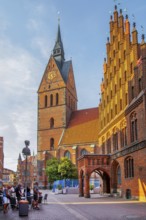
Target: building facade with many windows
column 109, row 139
column 122, row 108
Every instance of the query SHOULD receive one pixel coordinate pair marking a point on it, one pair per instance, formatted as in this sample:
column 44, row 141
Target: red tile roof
column 82, row 128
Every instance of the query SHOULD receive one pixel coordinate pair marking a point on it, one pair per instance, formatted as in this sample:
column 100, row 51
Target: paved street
column 72, row 207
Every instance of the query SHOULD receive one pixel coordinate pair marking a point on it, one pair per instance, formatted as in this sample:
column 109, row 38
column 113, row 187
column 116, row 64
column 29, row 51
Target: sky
column 28, row 30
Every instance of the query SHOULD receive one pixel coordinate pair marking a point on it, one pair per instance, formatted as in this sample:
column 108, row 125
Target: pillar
column 87, row 188
column 81, row 191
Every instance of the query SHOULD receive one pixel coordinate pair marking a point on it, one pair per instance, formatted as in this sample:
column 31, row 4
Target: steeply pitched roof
column 64, row 69
column 19, row 158
column 82, row 128
column 58, row 51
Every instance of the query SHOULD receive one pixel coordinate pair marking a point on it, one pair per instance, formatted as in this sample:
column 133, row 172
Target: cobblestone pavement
column 72, row 207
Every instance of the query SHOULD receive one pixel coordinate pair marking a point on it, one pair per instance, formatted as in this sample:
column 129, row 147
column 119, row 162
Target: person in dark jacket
column 18, row 192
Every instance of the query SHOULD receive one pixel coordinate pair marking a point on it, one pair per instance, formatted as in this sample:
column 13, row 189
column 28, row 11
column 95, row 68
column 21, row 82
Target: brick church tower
column 57, row 99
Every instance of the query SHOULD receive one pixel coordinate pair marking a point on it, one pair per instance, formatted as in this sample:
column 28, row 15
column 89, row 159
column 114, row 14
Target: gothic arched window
column 83, row 152
column 57, row 98
column 129, row 167
column 52, row 144
column 103, row 148
column 51, row 122
column 51, row 100
column 46, row 100
column 67, row 154
column 133, row 125
column 108, row 146
column 115, row 141
column 123, row 136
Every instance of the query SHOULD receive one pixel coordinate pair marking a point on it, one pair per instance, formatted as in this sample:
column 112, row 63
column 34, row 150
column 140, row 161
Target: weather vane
column 58, row 16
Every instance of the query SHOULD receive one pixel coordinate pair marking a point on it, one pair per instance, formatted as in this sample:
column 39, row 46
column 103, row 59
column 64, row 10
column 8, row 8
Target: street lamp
column 26, row 153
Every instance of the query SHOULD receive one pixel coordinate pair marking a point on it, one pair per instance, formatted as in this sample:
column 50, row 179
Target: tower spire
column 58, row 51
column 19, row 158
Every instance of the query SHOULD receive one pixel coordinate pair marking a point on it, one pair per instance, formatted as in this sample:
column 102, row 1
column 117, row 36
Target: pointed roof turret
column 58, row 51
column 19, row 158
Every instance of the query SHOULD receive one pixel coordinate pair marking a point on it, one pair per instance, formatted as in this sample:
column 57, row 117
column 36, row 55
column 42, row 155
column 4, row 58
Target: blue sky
column 27, row 35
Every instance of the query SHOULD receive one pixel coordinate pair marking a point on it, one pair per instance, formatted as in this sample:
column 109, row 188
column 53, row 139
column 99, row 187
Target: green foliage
column 63, row 169
column 59, row 186
column 52, row 170
column 91, row 187
column 67, row 169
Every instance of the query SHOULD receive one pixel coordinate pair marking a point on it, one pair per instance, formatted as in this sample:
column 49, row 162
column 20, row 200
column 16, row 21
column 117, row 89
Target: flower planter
column 59, row 191
column 64, row 191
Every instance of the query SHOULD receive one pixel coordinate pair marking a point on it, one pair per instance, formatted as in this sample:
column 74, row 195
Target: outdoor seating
column 45, row 197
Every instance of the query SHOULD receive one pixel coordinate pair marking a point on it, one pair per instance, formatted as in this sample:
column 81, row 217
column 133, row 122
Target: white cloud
column 33, row 25
column 19, row 72
column 43, row 46
column 40, row 9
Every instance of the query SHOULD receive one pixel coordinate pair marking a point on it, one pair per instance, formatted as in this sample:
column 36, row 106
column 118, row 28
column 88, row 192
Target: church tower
column 57, row 99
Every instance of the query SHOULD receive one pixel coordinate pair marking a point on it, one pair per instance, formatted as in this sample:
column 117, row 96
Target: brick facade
column 31, row 170
column 8, row 176
column 118, row 130
column 122, row 111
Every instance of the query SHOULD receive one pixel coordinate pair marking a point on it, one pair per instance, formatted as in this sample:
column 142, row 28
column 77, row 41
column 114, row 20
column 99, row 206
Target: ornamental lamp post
column 26, row 153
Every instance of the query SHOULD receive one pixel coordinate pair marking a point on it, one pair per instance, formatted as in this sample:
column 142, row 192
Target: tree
column 67, row 169
column 52, row 170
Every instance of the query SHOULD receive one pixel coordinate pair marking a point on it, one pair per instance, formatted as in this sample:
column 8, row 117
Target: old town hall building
column 109, row 139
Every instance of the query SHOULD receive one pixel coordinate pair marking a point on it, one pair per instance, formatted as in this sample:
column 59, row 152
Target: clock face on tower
column 51, row 75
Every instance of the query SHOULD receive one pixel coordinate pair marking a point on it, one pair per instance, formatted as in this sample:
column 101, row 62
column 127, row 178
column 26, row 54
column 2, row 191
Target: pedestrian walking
column 6, row 199
column 36, row 196
column 19, row 193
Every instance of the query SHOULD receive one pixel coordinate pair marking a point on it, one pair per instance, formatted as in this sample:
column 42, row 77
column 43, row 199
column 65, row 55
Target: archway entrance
column 115, row 176
column 87, row 164
column 103, row 185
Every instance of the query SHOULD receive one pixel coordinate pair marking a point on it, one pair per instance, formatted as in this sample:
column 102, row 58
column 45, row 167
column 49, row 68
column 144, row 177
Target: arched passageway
column 104, row 181
column 115, row 176
column 87, row 164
